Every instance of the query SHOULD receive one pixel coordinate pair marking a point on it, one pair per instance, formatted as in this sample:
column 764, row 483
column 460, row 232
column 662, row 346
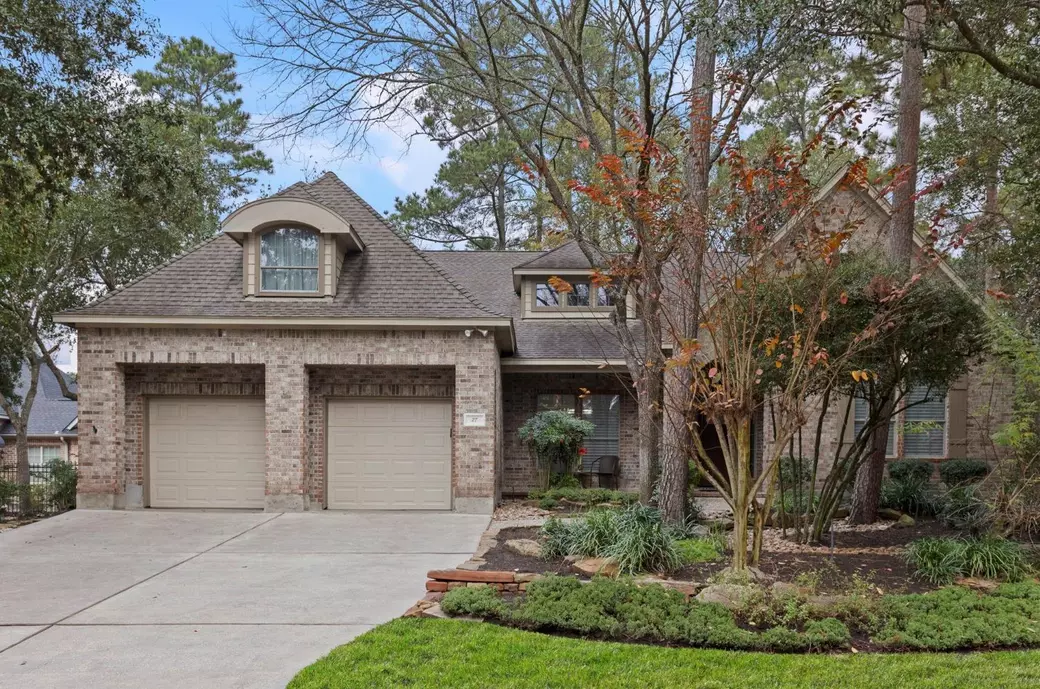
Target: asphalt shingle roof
column 489, row 273
column 51, row 412
column 389, row 279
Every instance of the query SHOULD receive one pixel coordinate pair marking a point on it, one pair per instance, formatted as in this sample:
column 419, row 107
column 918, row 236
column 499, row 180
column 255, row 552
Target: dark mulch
column 887, row 572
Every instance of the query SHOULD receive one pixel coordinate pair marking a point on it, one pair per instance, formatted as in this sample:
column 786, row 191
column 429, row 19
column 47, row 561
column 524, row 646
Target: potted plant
column 556, row 438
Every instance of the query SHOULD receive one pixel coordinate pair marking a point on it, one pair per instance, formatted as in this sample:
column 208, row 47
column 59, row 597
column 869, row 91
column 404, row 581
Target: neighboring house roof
column 389, row 279
column 567, row 255
column 52, row 413
column 487, row 273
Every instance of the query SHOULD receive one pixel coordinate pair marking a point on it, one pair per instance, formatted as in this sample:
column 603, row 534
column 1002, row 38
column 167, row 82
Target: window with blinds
column 557, row 403
column 862, row 414
column 604, row 412
column 924, row 431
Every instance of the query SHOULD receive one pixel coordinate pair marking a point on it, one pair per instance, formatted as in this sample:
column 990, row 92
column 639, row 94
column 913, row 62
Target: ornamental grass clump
column 942, row 560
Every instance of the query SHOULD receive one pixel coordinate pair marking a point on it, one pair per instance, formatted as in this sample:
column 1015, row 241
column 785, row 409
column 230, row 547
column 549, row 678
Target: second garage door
column 206, row 452
column 389, row 454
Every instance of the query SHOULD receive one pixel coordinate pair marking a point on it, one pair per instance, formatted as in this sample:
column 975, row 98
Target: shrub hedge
column 585, row 496
column 948, row 619
column 958, row 472
column 905, row 469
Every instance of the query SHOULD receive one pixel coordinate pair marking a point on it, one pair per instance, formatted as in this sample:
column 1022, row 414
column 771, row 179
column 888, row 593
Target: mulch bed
column 888, row 572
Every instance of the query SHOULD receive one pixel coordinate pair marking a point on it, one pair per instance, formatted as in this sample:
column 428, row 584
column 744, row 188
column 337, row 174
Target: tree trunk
column 23, row 476
column 867, row 492
column 866, row 495
column 500, row 210
column 678, row 421
column 648, row 401
column 908, row 138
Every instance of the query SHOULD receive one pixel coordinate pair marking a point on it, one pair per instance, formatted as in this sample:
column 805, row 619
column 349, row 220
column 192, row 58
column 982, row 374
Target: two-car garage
column 386, row 453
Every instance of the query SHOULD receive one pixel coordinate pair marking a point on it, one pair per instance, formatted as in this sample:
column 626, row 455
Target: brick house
column 307, row 357
column 52, row 432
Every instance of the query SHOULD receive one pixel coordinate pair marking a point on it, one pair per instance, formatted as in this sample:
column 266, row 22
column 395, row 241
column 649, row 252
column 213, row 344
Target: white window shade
column 604, row 412
column 924, row 433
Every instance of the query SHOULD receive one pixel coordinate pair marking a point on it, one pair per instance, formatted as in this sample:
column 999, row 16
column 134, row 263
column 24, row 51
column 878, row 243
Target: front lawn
column 455, row 654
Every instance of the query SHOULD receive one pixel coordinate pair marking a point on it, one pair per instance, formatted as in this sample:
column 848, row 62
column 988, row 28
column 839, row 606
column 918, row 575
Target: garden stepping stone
column 905, row 521
column 731, row 596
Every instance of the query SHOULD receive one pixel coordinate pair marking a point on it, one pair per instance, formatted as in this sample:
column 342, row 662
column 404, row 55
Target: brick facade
column 9, row 455
column 294, row 371
column 520, row 402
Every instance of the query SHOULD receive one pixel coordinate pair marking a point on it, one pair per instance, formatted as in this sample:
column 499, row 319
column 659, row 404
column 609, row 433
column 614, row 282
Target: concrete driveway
column 207, row 599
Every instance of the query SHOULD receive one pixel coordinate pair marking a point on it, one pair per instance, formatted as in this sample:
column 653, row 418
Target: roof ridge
column 550, row 252
column 151, row 271
column 478, row 252
column 441, row 272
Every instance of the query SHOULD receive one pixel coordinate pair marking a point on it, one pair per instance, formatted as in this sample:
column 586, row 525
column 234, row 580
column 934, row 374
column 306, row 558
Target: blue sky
column 392, row 168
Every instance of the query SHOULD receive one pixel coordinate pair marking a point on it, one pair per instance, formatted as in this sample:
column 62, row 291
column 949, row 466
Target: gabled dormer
column 291, row 247
column 532, row 281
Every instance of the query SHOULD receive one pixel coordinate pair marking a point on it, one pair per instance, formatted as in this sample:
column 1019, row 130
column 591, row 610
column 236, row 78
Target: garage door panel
column 206, row 452
column 385, row 454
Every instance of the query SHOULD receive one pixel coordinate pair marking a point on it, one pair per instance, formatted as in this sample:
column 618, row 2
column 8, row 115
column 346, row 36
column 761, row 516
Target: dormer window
column 290, row 260
column 583, row 295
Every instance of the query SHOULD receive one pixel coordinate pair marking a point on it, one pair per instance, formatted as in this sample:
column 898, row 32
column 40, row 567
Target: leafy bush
column 957, row 472
column 693, row 550
column 478, row 601
column 904, row 469
column 909, row 494
column 8, row 490
column 555, row 437
column 941, row 560
column 564, row 481
column 958, row 618
column 62, row 487
column 589, row 497
column 548, row 503
column 591, row 536
column 963, row 508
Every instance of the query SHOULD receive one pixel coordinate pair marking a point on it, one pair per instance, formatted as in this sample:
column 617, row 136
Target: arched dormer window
column 290, row 260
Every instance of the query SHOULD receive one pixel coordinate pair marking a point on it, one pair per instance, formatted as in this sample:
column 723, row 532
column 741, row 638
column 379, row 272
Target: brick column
column 477, row 388
column 102, row 432
column 286, row 415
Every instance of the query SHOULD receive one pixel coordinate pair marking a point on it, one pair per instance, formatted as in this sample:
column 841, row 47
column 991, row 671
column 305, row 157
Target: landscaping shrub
column 564, row 481
column 588, row 497
column 912, row 495
column 958, row 618
column 903, row 469
column 62, row 487
column 478, row 601
column 8, row 491
column 957, row 472
column 692, row 550
column 941, row 560
column 555, row 437
column 963, row 508
column 635, row 537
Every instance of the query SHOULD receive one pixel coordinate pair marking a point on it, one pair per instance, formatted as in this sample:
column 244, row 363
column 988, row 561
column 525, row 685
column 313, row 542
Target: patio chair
column 605, row 469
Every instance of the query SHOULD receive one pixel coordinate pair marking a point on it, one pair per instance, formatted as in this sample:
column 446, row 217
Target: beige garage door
column 389, row 454
column 206, row 452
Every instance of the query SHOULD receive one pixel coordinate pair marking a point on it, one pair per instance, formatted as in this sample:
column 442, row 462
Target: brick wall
column 118, row 366
column 9, row 455
column 520, row 402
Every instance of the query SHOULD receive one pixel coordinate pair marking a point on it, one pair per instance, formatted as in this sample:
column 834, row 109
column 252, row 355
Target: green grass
column 454, row 654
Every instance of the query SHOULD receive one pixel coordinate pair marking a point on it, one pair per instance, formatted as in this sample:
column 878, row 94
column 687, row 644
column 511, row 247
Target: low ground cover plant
column 942, row 560
column 635, row 537
column 953, row 618
column 587, row 497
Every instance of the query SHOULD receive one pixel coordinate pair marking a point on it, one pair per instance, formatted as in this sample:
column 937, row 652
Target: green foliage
column 589, row 497
column 477, row 601
column 941, row 560
column 963, row 508
column 910, row 469
column 564, row 481
column 955, row 472
column 61, row 490
column 555, row 437
column 911, row 495
column 8, row 490
column 635, row 537
column 692, row 550
column 957, row 618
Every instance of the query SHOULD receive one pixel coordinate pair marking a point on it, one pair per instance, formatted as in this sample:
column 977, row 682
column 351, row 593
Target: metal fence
column 46, row 492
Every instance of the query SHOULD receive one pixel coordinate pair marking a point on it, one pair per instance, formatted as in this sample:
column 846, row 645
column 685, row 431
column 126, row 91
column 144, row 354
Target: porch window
column 557, row 403
column 604, row 411
column 289, row 260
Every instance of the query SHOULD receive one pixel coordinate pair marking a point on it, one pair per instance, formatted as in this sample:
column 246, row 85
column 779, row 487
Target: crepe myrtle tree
column 932, row 334
column 767, row 238
column 557, row 438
